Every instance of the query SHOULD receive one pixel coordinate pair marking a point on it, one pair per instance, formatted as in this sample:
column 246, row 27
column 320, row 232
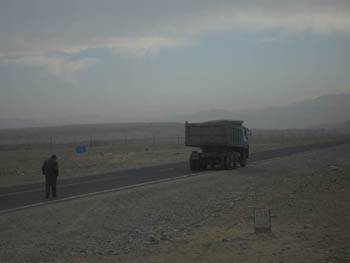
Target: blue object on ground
column 81, row 149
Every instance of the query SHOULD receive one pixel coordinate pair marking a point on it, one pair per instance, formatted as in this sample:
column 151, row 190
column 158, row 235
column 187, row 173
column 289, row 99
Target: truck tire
column 223, row 162
column 243, row 159
column 193, row 162
column 234, row 161
column 203, row 164
column 192, row 165
column 228, row 162
column 231, row 161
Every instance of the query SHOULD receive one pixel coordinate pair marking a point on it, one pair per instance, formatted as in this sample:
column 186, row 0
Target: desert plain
column 205, row 218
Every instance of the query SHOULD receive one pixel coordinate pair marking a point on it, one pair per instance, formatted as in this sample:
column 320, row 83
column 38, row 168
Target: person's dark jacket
column 50, row 168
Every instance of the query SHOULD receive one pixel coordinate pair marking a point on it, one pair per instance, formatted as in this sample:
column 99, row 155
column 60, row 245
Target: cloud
column 137, row 46
column 64, row 68
column 318, row 22
column 140, row 47
column 138, row 29
column 56, row 66
column 297, row 19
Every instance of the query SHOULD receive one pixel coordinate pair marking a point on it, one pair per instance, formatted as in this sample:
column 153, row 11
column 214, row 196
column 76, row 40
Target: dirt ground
column 206, row 218
column 310, row 224
column 310, row 218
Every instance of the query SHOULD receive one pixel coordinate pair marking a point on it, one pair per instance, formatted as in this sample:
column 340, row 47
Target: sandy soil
column 207, row 218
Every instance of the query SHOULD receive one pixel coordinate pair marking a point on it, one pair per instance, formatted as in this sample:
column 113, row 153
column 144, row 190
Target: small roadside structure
column 262, row 220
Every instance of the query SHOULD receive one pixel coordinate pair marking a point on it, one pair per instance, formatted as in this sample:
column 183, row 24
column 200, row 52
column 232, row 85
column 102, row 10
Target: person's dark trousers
column 50, row 182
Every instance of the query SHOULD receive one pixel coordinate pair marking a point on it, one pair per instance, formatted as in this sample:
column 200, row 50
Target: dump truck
column 223, row 144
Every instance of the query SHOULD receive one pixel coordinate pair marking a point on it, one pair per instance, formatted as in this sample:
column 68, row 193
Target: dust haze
column 153, row 131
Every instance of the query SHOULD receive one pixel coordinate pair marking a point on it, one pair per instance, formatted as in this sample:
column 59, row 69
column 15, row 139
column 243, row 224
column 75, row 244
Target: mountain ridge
column 322, row 112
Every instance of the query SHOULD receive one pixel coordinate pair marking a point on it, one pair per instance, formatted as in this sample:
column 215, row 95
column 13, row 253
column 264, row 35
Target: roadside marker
column 262, row 220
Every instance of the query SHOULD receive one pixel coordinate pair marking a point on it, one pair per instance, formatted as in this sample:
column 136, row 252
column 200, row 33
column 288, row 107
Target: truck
column 223, row 143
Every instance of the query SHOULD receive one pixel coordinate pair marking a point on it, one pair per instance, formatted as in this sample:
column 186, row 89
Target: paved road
column 18, row 197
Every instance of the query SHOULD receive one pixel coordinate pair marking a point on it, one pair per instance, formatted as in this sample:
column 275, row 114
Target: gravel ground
column 194, row 216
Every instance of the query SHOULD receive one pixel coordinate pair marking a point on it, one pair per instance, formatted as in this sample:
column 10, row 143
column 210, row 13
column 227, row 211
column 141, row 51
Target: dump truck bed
column 214, row 134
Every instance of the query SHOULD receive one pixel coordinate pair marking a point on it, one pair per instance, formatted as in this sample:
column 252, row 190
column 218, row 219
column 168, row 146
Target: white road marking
column 65, row 185
column 101, row 180
column 60, row 186
column 96, row 193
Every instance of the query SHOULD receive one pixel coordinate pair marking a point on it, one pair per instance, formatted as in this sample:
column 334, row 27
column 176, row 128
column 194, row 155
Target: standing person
column 50, row 170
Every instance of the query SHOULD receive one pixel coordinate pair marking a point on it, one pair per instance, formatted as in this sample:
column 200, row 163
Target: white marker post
column 262, row 220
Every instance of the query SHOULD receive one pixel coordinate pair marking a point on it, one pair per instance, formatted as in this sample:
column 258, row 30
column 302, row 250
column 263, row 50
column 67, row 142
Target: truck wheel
column 243, row 159
column 223, row 163
column 231, row 161
column 203, row 164
column 192, row 165
column 234, row 161
column 194, row 162
column 228, row 162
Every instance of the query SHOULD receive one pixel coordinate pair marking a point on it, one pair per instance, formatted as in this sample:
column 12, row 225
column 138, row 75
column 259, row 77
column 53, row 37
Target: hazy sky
column 142, row 60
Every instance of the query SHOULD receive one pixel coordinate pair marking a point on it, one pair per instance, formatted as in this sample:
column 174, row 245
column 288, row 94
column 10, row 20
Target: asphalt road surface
column 25, row 196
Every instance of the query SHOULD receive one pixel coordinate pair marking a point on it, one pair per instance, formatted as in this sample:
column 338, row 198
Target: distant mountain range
column 323, row 112
column 18, row 123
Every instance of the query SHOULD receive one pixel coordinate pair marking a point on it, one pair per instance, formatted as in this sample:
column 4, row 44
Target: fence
column 52, row 143
column 100, row 140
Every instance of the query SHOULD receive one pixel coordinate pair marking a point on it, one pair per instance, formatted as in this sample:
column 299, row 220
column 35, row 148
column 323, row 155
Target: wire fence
column 52, row 143
column 100, row 140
